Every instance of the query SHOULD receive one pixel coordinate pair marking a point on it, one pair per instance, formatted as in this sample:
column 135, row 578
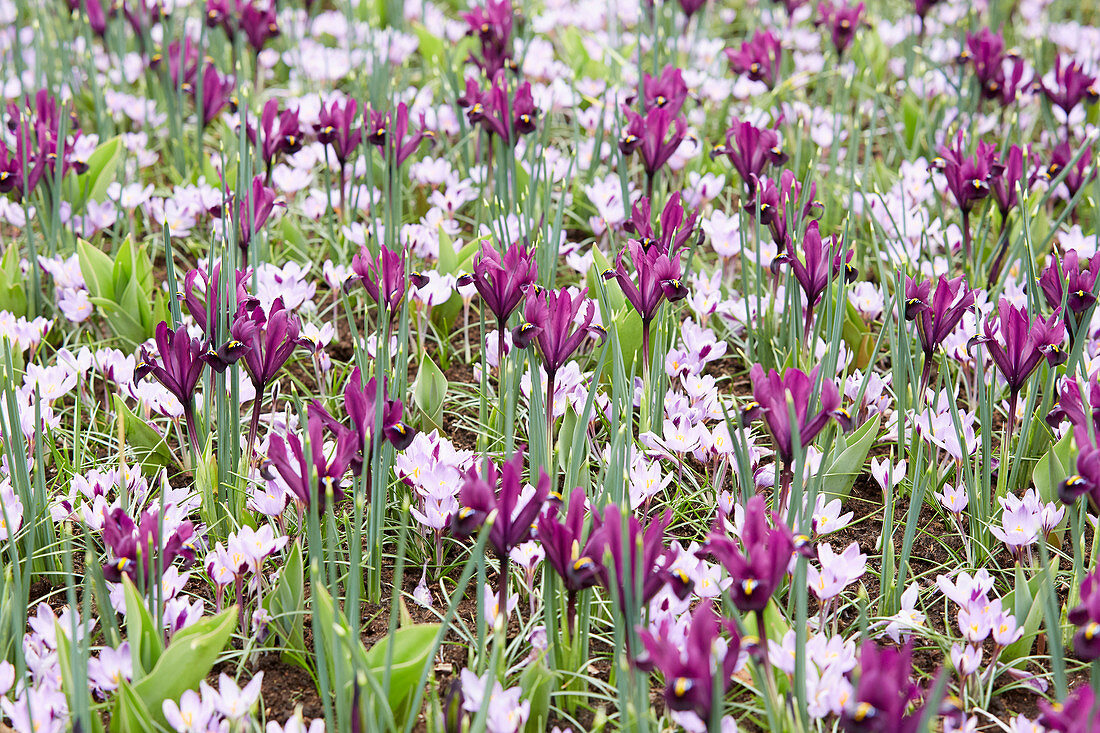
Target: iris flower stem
column 645, row 351
column 769, row 679
column 254, row 425
column 502, row 600
column 571, row 613
column 192, row 431
column 1002, row 250
column 786, row 477
column 550, row 379
column 967, row 239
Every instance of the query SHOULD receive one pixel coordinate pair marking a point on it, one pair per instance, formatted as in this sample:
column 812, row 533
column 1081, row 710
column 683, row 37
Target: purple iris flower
column 385, row 126
column 780, row 204
column 1078, row 714
column 252, row 212
column 646, row 555
column 675, row 227
column 259, row 25
column 183, row 59
column 178, row 369
column 1086, row 617
column 1072, row 276
column 1071, row 407
column 338, row 128
column 500, row 492
column 691, row 7
column 135, row 547
column 281, row 134
column 772, row 396
column 968, row 177
column 270, row 340
column 823, row 260
column 207, row 313
column 360, row 403
column 497, row 115
column 1070, row 86
column 384, row 278
column 1018, row 345
column 884, row 695
column 502, row 281
column 842, row 20
column 492, row 24
column 986, row 55
column 758, row 58
column 759, row 564
column 658, row 279
column 573, row 553
column 689, row 668
column 667, row 90
column 936, row 318
column 550, row 322
column 656, row 135
column 36, row 129
column 295, row 467
column 1081, row 173
column 750, row 149
column 217, row 93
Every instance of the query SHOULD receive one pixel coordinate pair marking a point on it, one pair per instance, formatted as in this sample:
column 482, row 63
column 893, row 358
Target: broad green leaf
column 149, row 446
column 1054, row 467
column 286, row 604
column 846, row 467
column 141, row 631
column 122, row 322
column 92, row 184
column 97, row 269
column 537, row 682
column 130, row 714
column 186, row 661
column 411, row 647
column 429, row 390
column 431, row 46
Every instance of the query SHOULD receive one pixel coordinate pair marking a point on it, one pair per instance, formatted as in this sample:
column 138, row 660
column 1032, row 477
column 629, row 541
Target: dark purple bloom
column 689, row 667
column 1070, row 85
column 385, row 127
column 251, row 213
column 550, row 322
column 36, row 128
column 1006, row 186
column 499, row 493
column 884, row 695
column 674, row 230
column 1087, row 479
column 1081, row 173
column 97, row 17
column 750, row 149
column 1070, row 276
column 573, row 553
column 182, row 59
column 1071, row 407
column 360, row 403
column 281, row 134
column 1018, row 345
column 781, row 205
column 295, row 467
column 968, row 177
column 936, row 318
column 772, row 396
column 842, row 21
column 208, row 313
column 337, row 127
column 382, row 277
column 217, row 94
column 1078, row 714
column 758, row 58
column 759, row 564
column 667, row 90
column 135, row 547
column 657, row 135
column 1086, row 617
column 501, row 281
column 269, row 340
column 492, row 24
column 259, row 25
column 986, row 55
column 178, row 369
column 691, row 7
column 658, row 279
column 646, row 556
column 824, row 258
column 492, row 109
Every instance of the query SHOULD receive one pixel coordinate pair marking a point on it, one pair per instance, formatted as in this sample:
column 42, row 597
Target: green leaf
column 141, row 631
column 97, row 269
column 92, row 184
column 429, row 390
column 130, row 714
column 537, row 681
column 1054, row 467
column 431, row 46
column 846, row 467
column 121, row 321
column 149, row 446
column 411, row 647
column 286, row 604
column 186, row 661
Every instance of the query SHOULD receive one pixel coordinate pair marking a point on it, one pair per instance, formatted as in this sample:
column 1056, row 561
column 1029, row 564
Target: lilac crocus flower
column 502, row 281
column 395, row 129
column 759, row 58
column 772, row 396
column 1018, row 345
column 656, row 135
column 689, row 668
column 658, row 280
column 1071, row 280
column 938, row 319
column 500, row 492
column 178, row 369
column 750, row 149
